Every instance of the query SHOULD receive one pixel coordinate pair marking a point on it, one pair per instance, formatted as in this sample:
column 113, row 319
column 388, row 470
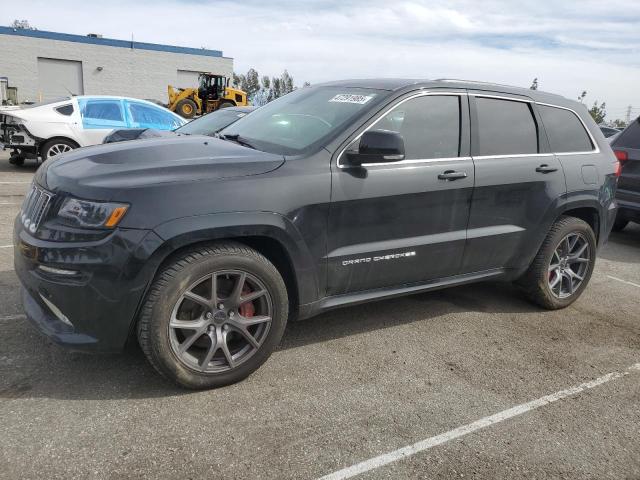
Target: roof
column 393, row 84
column 108, row 42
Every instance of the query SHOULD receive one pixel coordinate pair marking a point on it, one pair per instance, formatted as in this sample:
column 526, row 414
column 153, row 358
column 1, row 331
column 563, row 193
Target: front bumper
column 93, row 309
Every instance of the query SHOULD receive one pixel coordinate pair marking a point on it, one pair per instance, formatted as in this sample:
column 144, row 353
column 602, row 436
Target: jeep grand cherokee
column 333, row 195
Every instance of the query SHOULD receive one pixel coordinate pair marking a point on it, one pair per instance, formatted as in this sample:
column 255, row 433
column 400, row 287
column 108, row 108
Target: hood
column 94, row 172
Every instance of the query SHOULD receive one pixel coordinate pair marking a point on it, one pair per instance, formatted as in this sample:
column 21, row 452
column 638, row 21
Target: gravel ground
column 342, row 388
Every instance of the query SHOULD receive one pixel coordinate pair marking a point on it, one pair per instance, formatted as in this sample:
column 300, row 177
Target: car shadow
column 35, row 368
column 29, row 166
column 623, row 246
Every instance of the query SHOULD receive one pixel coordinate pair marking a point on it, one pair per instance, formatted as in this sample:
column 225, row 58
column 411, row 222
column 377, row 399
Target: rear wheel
column 563, row 266
column 186, row 108
column 213, row 316
column 619, row 224
column 55, row 147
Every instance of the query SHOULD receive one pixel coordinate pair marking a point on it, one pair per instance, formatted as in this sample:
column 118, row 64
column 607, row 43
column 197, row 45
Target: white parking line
column 14, row 183
column 623, row 281
column 431, row 442
column 6, row 246
column 19, row 316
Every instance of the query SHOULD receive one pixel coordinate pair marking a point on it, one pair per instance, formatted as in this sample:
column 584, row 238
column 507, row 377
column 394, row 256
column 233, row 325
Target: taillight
column 622, row 157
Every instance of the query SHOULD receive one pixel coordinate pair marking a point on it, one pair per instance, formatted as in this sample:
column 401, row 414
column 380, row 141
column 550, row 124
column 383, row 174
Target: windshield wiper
column 235, row 137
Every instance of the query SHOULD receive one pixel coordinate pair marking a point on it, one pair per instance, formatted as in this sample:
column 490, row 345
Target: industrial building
column 46, row 65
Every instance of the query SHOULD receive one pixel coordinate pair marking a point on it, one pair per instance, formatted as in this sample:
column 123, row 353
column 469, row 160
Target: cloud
column 570, row 46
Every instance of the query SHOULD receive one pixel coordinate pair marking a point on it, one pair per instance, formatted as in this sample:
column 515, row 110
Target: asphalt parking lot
column 345, row 388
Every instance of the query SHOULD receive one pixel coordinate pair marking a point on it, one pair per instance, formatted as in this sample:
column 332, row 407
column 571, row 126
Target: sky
column 568, row 45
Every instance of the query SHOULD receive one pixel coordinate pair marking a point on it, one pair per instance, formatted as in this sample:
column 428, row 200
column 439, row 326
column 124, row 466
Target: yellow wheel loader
column 213, row 93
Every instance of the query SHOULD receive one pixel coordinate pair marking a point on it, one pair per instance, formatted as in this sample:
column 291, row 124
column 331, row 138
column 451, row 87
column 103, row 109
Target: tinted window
column 505, row 127
column 630, row 137
column 148, row 116
column 103, row 110
column 65, row 109
column 429, row 125
column 212, row 122
column 564, row 130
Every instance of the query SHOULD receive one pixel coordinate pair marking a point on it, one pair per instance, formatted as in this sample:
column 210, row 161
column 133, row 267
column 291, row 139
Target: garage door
column 59, row 78
column 187, row 79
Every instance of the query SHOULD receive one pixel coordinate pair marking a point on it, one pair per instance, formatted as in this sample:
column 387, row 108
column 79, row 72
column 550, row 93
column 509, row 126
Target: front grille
column 35, row 207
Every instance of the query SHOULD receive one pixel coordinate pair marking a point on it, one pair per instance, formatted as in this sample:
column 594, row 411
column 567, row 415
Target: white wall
column 126, row 72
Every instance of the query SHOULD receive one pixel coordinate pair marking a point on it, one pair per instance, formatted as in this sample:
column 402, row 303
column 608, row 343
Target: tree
column 582, row 95
column 619, row 123
column 276, row 88
column 598, row 112
column 240, row 81
column 22, row 25
column 253, row 82
column 286, row 83
column 534, row 84
column 266, row 82
column 306, row 84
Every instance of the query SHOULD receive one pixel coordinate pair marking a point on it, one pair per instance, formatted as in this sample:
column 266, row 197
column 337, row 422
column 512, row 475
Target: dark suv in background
column 626, row 147
column 332, row 195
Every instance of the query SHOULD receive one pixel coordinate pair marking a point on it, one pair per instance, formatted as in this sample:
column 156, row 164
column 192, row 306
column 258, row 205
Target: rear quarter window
column 65, row 110
column 565, row 131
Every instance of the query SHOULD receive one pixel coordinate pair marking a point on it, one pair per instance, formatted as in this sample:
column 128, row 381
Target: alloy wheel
column 569, row 265
column 57, row 149
column 220, row 321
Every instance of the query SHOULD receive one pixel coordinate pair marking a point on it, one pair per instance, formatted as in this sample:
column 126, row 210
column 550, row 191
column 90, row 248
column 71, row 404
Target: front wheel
column 563, row 266
column 213, row 316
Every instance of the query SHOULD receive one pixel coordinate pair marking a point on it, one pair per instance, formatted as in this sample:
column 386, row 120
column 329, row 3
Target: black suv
column 626, row 147
column 333, row 195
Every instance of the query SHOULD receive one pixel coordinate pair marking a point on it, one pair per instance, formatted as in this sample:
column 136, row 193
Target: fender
column 567, row 201
column 185, row 231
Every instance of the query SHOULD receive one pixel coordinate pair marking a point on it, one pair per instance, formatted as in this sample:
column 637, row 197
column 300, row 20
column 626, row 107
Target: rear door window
column 505, row 127
column 102, row 114
column 565, row 131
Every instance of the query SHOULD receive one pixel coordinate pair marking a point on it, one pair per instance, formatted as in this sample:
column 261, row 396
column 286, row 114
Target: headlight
column 92, row 214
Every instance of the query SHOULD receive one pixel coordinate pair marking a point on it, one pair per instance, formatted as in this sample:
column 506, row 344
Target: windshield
column 211, row 123
column 303, row 119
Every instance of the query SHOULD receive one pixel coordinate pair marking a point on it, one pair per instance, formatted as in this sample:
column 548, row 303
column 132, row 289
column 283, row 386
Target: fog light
column 56, row 271
column 56, row 311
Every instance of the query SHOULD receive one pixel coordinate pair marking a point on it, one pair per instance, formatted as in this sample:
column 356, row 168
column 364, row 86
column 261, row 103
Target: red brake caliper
column 247, row 310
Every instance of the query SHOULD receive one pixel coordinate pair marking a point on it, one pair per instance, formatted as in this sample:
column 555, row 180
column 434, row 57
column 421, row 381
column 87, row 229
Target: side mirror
column 377, row 146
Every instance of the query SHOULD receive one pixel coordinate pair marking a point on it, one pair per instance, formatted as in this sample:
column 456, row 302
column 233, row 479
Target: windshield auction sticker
column 351, row 98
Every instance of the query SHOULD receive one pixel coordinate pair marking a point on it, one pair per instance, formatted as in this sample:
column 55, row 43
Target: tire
column 186, row 108
column 183, row 356
column 56, row 146
column 537, row 280
column 619, row 224
column 226, row 104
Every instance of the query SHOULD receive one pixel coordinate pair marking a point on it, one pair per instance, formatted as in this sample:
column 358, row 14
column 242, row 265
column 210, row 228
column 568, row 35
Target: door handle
column 544, row 168
column 452, row 175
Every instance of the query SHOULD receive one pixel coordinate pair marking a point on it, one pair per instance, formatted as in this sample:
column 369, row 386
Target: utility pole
column 629, row 114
